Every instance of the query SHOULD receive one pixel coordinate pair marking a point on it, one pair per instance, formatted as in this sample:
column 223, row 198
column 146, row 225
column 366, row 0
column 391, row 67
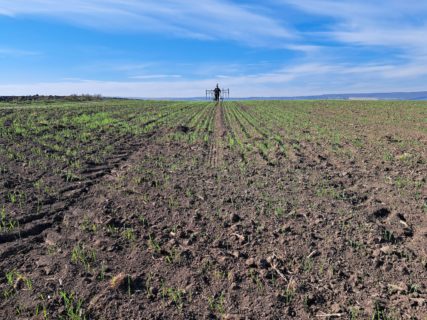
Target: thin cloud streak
column 375, row 23
column 206, row 20
column 305, row 79
column 17, row 52
column 157, row 76
column 359, row 48
column 393, row 25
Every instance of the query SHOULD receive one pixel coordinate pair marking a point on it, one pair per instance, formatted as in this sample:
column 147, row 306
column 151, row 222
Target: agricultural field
column 120, row 209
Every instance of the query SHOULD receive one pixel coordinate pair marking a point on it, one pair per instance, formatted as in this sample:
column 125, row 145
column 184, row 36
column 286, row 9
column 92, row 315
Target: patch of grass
column 176, row 296
column 256, row 279
column 143, row 220
column 41, row 311
column 154, row 245
column 279, row 212
column 353, row 313
column 15, row 281
column 112, row 230
column 83, row 256
column 401, row 182
column 308, row 264
column 357, row 245
column 388, row 156
column 388, row 236
column 7, row 224
column 73, row 307
column 381, row 313
column 288, row 295
column 129, row 234
column 88, row 226
column 217, row 303
column 325, row 191
column 172, row 256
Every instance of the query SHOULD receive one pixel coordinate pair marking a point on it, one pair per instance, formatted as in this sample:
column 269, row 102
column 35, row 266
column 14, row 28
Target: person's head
column 217, row 85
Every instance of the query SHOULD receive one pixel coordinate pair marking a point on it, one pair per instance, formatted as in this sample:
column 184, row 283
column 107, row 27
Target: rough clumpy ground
column 277, row 210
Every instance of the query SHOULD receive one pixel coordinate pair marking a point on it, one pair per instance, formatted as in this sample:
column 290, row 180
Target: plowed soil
column 330, row 222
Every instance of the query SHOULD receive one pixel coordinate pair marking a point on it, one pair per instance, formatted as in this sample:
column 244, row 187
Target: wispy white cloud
column 156, row 76
column 307, row 48
column 394, row 26
column 4, row 12
column 207, row 19
column 324, row 62
column 304, row 79
column 17, row 52
column 392, row 23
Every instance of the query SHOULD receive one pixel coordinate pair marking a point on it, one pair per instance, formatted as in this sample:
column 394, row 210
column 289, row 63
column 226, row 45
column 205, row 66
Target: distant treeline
column 74, row 97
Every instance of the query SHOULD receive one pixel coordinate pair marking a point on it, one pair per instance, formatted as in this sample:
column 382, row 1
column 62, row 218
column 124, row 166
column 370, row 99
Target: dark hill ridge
column 420, row 95
column 31, row 98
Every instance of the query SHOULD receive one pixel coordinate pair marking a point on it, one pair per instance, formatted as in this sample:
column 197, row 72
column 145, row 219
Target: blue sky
column 176, row 48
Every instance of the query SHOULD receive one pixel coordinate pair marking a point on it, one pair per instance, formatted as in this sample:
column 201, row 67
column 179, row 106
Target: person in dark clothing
column 217, row 92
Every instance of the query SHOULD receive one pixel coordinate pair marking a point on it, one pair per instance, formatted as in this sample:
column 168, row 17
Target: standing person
column 217, row 92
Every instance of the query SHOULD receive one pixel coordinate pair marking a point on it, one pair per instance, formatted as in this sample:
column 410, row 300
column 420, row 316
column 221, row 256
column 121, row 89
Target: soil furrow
column 69, row 196
column 216, row 152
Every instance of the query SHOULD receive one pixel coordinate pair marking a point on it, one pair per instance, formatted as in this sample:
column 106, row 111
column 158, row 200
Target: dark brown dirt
column 167, row 230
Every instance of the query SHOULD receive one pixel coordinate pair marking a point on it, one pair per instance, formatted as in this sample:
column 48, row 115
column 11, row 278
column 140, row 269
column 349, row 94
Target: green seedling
column 101, row 275
column 354, row 313
column 41, row 311
column 7, row 224
column 129, row 234
column 308, row 265
column 175, row 295
column 279, row 212
column 143, row 220
column 388, row 236
column 154, row 245
column 288, row 295
column 13, row 279
column 172, row 256
column 83, row 256
column 217, row 303
column 88, row 226
column 73, row 306
column 112, row 230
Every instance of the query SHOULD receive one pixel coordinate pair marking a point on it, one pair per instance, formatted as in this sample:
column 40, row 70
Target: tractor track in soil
column 60, row 227
column 54, row 211
column 216, row 152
